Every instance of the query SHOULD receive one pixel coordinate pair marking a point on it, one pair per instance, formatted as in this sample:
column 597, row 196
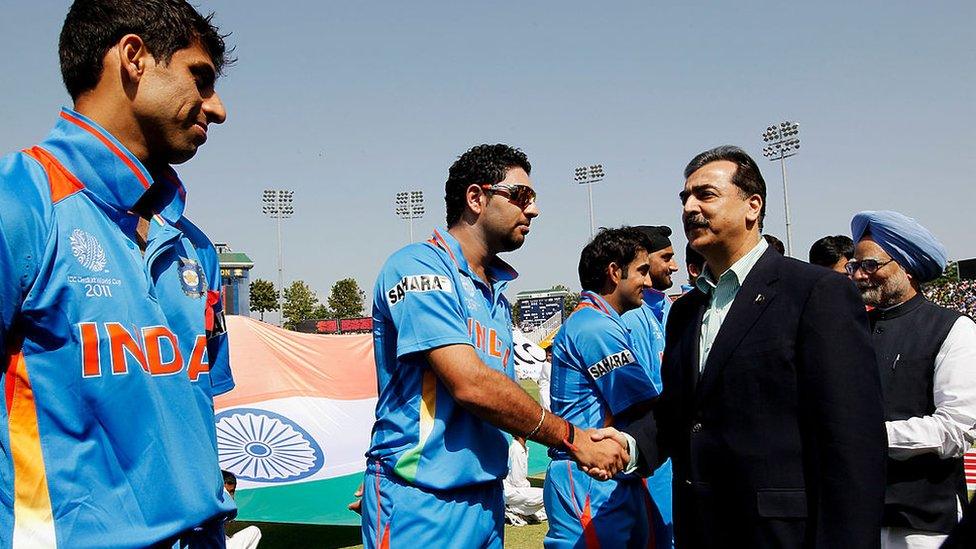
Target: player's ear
column 473, row 199
column 614, row 273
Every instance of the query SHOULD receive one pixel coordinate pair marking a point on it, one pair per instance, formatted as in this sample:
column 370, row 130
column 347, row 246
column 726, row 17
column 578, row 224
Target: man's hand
column 600, row 458
column 357, row 505
column 608, row 432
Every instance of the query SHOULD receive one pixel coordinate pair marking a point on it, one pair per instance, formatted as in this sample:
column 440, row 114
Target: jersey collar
column 109, row 171
column 596, row 301
column 499, row 272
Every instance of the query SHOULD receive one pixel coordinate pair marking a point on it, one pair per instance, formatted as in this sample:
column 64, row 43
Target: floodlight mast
column 782, row 141
column 588, row 175
column 409, row 205
column 277, row 204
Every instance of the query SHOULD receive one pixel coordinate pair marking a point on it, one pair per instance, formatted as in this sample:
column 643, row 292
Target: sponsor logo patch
column 418, row 283
column 87, row 250
column 610, row 363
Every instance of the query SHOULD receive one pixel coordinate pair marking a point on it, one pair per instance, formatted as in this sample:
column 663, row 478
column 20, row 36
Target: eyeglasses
column 520, row 195
column 869, row 266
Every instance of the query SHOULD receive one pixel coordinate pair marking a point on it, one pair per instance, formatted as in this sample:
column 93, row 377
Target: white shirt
column 951, row 430
column 518, row 467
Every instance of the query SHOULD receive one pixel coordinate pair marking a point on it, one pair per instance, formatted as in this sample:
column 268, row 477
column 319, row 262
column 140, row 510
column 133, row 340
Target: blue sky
column 348, row 103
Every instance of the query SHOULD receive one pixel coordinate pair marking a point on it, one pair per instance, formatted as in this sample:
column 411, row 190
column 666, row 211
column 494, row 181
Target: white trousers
column 247, row 538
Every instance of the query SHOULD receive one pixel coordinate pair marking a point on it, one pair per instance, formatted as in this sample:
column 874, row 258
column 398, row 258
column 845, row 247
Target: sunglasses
column 869, row 266
column 520, row 195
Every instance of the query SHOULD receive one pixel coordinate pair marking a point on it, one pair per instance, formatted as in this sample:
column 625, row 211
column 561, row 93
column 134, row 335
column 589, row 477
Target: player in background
column 598, row 381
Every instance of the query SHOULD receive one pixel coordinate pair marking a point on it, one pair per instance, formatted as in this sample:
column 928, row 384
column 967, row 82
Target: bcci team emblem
column 192, row 278
column 263, row 446
column 87, row 250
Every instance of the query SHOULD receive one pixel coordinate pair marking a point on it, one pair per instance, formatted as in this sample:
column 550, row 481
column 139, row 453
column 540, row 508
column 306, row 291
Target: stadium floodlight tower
column 409, row 205
column 588, row 175
column 782, row 141
column 277, row 204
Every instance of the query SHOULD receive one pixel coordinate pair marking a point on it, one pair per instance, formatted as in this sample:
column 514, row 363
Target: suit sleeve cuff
column 632, row 450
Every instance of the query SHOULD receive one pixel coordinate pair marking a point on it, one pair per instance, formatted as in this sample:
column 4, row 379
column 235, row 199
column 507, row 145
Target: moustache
column 695, row 222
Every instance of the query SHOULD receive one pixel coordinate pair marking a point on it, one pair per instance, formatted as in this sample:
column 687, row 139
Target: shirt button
column 696, row 428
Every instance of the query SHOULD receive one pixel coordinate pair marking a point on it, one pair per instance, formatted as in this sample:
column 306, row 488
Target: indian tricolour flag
column 296, row 427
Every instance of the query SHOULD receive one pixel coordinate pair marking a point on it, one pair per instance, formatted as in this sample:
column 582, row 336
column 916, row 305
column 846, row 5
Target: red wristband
column 570, row 436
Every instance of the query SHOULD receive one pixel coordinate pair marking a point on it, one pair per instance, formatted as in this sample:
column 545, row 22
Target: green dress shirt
column 721, row 295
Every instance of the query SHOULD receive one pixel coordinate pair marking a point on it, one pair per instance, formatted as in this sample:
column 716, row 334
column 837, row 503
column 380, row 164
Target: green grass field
column 288, row 536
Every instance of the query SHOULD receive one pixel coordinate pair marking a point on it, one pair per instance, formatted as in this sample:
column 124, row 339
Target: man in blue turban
column 916, row 249
column 927, row 359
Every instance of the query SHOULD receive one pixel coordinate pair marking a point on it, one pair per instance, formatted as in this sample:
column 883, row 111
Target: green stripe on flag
column 316, row 502
column 324, row 501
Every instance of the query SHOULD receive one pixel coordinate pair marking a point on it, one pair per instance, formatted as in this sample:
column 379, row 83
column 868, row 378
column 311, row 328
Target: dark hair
column 747, row 175
column 694, row 258
column 827, row 251
column 229, row 477
column 776, row 243
column 481, row 165
column 618, row 246
column 165, row 26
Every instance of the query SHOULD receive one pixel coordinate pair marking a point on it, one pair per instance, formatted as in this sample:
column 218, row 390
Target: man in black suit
column 771, row 410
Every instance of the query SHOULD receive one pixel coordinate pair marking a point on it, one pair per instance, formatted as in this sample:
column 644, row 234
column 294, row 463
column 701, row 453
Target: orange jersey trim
column 63, row 183
column 108, row 143
column 33, row 515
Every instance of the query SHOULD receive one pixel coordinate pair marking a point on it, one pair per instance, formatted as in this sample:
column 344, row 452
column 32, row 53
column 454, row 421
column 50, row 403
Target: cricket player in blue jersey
column 599, row 381
column 111, row 323
column 646, row 325
column 442, row 331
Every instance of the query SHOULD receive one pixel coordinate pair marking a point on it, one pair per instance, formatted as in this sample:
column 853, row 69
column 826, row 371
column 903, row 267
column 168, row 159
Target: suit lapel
column 694, row 349
column 756, row 293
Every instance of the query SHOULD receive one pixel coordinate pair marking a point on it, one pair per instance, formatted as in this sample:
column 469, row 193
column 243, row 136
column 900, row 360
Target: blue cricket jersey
column 426, row 296
column 112, row 356
column 596, row 371
column 646, row 326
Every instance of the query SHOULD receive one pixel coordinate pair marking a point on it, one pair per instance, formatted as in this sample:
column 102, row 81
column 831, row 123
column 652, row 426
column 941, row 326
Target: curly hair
column 165, row 26
column 481, row 165
column 618, row 246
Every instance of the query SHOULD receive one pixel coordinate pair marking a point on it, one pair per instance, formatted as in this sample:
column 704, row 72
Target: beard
column 511, row 241
column 886, row 294
column 661, row 282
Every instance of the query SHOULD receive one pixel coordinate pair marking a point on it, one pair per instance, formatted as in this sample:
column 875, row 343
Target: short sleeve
column 611, row 362
column 24, row 218
column 416, row 292
column 215, row 324
column 218, row 346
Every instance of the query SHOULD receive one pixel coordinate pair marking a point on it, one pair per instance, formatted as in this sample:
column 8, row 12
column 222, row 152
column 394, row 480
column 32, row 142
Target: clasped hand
column 601, row 453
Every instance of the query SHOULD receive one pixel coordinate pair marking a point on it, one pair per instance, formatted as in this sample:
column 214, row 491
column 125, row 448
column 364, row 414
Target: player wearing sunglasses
column 442, row 333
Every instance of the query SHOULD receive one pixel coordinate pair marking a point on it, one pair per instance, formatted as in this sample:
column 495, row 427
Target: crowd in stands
column 959, row 295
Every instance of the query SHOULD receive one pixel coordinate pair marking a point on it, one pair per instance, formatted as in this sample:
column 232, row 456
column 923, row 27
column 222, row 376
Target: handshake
column 601, row 453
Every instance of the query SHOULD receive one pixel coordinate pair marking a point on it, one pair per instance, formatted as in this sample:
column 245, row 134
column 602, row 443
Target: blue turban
column 911, row 245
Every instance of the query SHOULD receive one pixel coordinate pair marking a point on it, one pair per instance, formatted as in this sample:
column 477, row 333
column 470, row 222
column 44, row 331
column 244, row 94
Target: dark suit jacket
column 780, row 442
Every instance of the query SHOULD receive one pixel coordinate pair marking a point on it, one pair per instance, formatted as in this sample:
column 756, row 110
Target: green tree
column 300, row 304
column 264, row 297
column 321, row 311
column 347, row 300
